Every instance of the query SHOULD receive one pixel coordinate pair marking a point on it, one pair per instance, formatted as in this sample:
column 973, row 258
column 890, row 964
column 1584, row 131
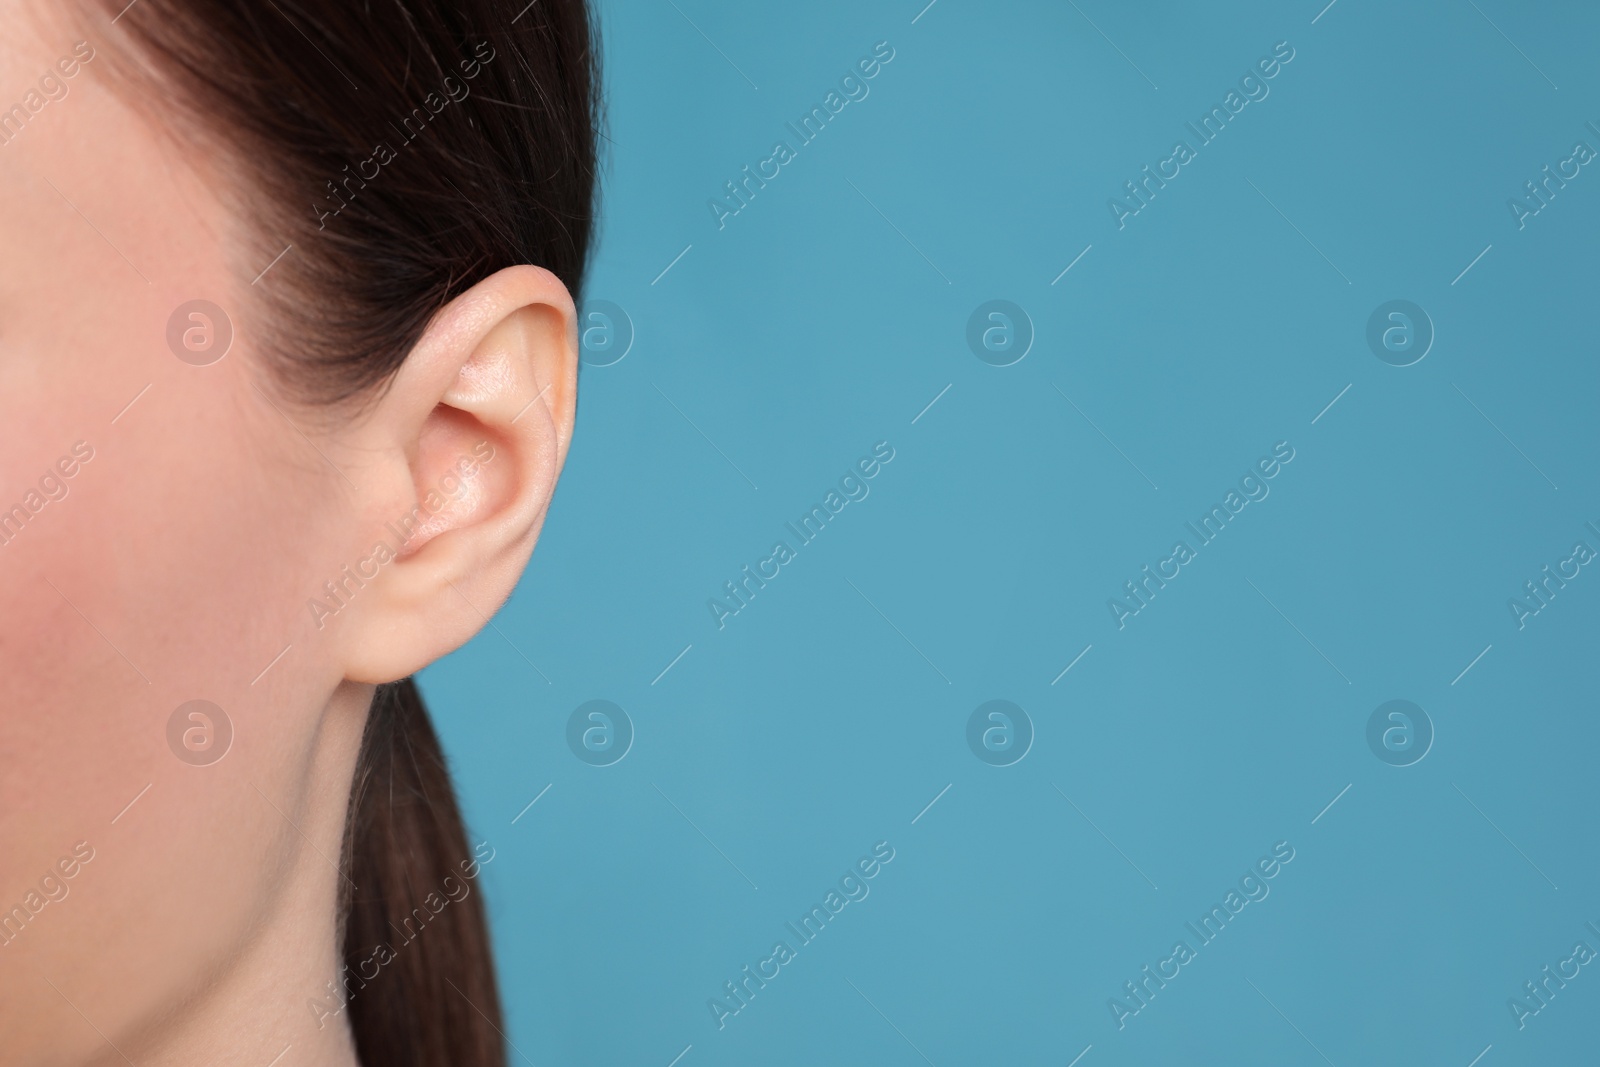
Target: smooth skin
column 181, row 561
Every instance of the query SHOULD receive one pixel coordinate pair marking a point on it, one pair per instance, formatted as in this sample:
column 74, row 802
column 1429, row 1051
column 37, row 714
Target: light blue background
column 824, row 318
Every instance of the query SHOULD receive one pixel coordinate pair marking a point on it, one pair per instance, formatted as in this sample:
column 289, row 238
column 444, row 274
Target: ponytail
column 419, row 973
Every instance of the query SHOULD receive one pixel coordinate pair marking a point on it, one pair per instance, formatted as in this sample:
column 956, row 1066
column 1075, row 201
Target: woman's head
column 287, row 374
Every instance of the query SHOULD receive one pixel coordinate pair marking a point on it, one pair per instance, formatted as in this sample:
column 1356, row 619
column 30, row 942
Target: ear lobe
column 470, row 438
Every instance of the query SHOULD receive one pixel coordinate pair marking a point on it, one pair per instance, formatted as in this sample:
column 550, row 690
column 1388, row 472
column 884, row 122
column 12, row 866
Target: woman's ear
column 461, row 458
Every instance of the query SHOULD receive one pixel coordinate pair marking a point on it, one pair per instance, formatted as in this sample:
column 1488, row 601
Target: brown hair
column 434, row 999
column 399, row 150
column 402, row 150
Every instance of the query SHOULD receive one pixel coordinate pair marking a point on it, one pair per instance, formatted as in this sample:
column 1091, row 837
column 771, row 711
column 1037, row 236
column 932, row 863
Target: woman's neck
column 276, row 1000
